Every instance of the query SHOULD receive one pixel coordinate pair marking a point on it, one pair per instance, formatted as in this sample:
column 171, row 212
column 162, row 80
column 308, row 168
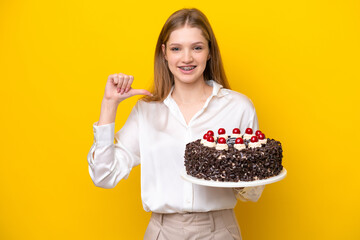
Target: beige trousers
column 213, row 225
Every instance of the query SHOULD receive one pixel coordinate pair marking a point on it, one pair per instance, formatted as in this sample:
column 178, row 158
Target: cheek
column 172, row 61
column 202, row 58
column 171, row 65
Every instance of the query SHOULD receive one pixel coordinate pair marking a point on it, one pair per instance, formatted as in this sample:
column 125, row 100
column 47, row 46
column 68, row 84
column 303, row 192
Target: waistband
column 216, row 219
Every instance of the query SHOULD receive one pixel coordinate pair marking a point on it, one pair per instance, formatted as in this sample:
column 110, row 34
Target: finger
column 119, row 84
column 124, row 84
column 141, row 92
column 128, row 86
column 116, row 80
column 112, row 78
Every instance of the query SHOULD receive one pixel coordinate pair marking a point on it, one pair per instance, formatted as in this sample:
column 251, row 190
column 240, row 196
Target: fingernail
column 122, row 91
column 118, row 90
column 127, row 89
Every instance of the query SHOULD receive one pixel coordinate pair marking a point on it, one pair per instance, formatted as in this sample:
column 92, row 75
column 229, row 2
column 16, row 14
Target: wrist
column 108, row 112
column 108, row 103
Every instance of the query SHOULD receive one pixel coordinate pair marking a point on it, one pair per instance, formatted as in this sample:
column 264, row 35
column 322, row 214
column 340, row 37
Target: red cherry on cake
column 249, row 131
column 254, row 139
column 210, row 133
column 210, row 139
column 236, row 131
column 261, row 136
column 239, row 141
column 221, row 131
column 205, row 136
column 222, row 140
column 258, row 132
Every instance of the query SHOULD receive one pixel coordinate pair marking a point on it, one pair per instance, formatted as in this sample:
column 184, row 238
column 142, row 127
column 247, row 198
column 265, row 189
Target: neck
column 188, row 93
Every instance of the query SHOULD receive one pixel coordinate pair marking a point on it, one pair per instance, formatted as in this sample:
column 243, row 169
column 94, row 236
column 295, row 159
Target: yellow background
column 297, row 60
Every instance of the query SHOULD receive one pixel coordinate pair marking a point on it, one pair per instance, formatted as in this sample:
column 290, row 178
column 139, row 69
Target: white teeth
column 187, row 68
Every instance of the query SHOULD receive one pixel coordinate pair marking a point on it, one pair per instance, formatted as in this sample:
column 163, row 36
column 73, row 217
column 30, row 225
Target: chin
column 188, row 80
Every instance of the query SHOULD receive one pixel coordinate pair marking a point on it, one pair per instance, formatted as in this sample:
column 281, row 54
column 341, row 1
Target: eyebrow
column 180, row 44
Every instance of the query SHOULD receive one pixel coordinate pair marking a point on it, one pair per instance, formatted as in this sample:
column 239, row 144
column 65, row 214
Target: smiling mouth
column 188, row 68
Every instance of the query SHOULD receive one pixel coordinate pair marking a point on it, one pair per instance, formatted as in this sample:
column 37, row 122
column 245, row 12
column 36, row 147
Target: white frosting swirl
column 254, row 144
column 247, row 136
column 263, row 141
column 222, row 146
column 210, row 144
column 203, row 141
column 239, row 146
column 223, row 136
column 235, row 135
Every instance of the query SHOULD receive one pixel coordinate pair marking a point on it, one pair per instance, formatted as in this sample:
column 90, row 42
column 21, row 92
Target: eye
column 198, row 48
column 174, row 49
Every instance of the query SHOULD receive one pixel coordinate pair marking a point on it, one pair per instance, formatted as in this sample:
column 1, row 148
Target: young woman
column 190, row 96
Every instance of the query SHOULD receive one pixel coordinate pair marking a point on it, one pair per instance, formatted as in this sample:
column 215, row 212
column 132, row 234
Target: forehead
column 186, row 35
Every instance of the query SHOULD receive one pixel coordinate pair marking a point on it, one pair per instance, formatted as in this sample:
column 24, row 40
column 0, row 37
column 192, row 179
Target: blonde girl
column 190, row 95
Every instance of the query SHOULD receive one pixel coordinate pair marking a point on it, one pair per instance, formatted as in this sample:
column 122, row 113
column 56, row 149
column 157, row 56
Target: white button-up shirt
column 154, row 136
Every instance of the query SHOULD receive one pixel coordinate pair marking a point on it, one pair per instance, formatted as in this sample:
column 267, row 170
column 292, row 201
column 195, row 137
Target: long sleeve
column 114, row 161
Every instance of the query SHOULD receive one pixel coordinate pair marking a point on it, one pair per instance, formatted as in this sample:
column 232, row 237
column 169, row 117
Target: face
column 187, row 52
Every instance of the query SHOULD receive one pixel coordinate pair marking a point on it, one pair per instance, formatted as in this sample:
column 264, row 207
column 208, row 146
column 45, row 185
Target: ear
column 208, row 57
column 164, row 51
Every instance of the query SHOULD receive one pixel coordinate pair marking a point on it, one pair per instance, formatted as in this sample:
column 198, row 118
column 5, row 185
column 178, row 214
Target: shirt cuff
column 104, row 134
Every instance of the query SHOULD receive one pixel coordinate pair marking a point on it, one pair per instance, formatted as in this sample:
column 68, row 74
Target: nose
column 187, row 57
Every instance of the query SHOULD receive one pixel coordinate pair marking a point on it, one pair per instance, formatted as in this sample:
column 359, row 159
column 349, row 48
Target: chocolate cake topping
column 234, row 165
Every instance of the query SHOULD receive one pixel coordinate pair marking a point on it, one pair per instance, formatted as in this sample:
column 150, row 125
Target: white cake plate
column 212, row 183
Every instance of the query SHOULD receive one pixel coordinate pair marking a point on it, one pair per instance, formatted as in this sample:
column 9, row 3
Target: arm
column 110, row 162
column 107, row 114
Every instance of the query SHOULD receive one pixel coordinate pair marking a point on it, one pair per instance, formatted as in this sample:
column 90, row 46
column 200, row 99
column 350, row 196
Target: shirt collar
column 218, row 90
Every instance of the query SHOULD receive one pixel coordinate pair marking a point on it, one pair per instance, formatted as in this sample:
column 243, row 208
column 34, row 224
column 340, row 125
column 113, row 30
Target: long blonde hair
column 163, row 78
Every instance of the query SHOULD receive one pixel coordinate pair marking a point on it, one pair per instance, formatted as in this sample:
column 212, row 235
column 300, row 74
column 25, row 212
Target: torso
column 160, row 142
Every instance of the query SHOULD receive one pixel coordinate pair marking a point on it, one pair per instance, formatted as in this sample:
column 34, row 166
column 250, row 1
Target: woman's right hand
column 118, row 88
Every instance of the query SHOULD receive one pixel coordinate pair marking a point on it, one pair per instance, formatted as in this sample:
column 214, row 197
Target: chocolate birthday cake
column 234, row 158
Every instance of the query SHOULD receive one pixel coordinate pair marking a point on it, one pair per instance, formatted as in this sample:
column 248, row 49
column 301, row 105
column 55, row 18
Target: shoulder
column 239, row 99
